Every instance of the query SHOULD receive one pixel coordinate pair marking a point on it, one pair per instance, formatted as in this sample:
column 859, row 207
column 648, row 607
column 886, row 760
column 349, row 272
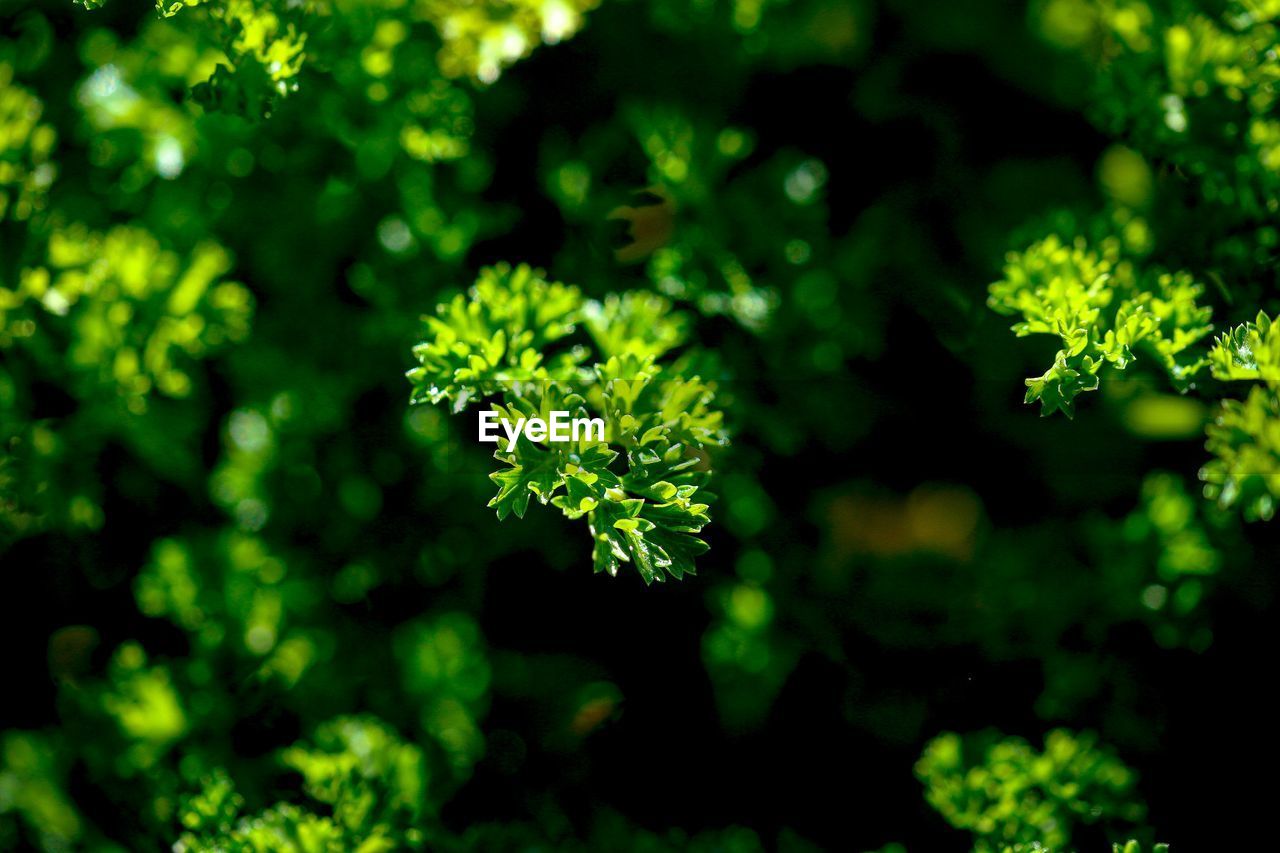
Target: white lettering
column 560, row 428
column 512, row 434
column 591, row 425
column 488, row 426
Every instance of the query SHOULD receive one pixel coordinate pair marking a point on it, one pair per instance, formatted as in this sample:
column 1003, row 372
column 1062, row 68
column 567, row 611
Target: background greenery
column 253, row 599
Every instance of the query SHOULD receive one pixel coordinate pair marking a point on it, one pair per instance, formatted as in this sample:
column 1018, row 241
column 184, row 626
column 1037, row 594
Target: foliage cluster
column 257, row 603
column 1192, row 91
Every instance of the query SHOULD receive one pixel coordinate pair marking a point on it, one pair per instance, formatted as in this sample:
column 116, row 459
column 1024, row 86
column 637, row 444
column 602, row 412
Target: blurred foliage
column 371, row 781
column 255, row 602
column 1013, row 794
column 25, row 171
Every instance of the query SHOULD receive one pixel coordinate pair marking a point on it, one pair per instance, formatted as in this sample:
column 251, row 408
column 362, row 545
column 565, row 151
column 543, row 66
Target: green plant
column 658, row 415
column 1192, row 90
column 370, row 783
column 255, row 602
column 1006, row 792
column 1101, row 310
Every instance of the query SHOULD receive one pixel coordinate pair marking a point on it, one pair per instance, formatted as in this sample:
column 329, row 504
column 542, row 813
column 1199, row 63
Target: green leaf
column 1104, row 311
column 532, row 472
